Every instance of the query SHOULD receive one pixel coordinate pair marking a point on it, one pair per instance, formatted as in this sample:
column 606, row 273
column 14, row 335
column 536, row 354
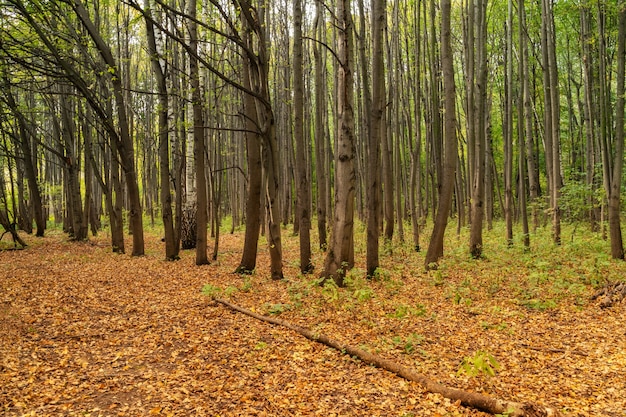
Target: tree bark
column 615, row 230
column 253, row 200
column 321, row 169
column 375, row 134
column 29, row 167
column 198, row 140
column 303, row 184
column 125, row 142
column 171, row 248
column 478, row 124
column 435, row 247
column 340, row 256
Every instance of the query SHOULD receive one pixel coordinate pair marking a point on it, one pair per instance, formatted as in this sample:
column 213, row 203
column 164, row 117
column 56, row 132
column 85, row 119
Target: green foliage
column 247, row 284
column 356, row 283
column 277, row 309
column 539, row 304
column 482, row 363
column 211, row 290
column 230, row 290
column 330, row 291
column 404, row 310
column 260, row 345
column 485, row 325
column 408, row 344
column 575, row 197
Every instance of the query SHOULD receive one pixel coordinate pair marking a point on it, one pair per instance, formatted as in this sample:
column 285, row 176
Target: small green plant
column 330, row 291
column 277, row 308
column 247, row 285
column 482, row 363
column 485, row 325
column 437, row 277
column 356, row 282
column 408, row 344
column 211, row 290
column 419, row 310
column 404, row 310
column 381, row 274
column 538, row 304
column 230, row 290
column 260, row 346
column 401, row 312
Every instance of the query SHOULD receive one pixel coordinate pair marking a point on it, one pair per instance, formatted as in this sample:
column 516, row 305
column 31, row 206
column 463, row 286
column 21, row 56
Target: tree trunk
column 171, row 248
column 478, row 186
column 435, row 248
column 254, row 163
column 615, row 230
column 340, row 256
column 528, row 119
column 508, row 131
column 375, row 134
column 125, row 143
column 521, row 122
column 321, row 166
column 303, row 184
column 25, row 139
column 198, row 140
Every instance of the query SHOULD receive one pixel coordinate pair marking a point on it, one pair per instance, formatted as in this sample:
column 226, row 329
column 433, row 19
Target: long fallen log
column 469, row 399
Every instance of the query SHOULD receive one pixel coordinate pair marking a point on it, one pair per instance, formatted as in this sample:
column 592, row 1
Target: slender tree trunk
column 478, row 187
column 555, row 124
column 435, row 248
column 533, row 181
column 508, row 137
column 79, row 230
column 255, row 164
column 590, row 117
column 321, row 170
column 375, row 134
column 29, row 162
column 522, row 123
column 125, row 145
column 416, row 155
column 340, row 256
column 171, row 248
column 303, row 184
column 198, row 140
column 253, row 200
column 615, row 230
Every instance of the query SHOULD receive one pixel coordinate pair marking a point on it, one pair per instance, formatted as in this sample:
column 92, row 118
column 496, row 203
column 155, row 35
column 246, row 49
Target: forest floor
column 87, row 332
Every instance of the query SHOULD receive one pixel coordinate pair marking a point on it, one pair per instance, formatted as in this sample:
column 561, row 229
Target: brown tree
column 615, row 229
column 303, row 183
column 435, row 247
column 379, row 19
column 340, row 256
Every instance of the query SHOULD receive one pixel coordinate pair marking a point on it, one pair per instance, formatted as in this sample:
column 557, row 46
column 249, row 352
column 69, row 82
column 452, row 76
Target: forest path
column 88, row 332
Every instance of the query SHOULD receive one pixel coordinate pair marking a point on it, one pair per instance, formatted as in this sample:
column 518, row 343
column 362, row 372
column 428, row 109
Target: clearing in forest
column 84, row 331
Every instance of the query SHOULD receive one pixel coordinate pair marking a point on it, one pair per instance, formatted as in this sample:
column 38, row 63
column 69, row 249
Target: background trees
column 106, row 106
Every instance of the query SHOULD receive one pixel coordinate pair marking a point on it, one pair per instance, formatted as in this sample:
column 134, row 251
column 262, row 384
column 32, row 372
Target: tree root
column 469, row 399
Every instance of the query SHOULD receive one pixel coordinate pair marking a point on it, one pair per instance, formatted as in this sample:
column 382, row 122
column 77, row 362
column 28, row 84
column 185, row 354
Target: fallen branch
column 611, row 294
column 468, row 399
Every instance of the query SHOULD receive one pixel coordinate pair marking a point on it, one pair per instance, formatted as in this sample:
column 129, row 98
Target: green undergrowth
column 540, row 278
